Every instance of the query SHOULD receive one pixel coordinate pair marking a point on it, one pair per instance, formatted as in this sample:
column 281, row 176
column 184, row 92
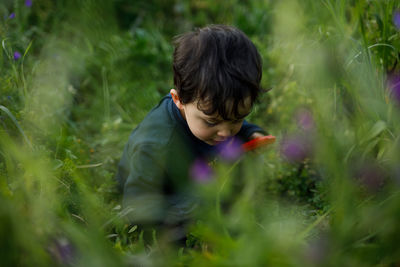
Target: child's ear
column 175, row 98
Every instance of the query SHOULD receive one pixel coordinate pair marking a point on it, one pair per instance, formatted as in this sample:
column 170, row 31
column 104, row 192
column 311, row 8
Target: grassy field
column 77, row 76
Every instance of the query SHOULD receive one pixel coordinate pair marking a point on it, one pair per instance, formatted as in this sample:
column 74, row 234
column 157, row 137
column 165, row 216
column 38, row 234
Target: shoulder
column 156, row 130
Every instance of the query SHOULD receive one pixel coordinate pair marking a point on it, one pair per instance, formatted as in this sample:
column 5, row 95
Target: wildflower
column 17, row 55
column 295, row 148
column 62, row 251
column 370, row 175
column 12, row 15
column 317, row 250
column 396, row 19
column 305, row 120
column 394, row 86
column 28, row 3
column 230, row 150
column 201, row 171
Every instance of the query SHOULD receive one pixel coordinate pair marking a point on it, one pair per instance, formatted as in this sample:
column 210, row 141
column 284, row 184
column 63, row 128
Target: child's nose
column 225, row 132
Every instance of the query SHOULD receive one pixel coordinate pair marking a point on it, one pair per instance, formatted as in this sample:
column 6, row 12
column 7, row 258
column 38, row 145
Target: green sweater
column 153, row 173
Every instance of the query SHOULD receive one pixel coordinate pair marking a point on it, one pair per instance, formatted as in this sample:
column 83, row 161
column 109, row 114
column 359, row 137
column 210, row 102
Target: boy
column 217, row 74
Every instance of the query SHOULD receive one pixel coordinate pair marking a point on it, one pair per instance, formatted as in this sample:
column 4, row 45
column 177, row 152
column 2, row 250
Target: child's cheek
column 204, row 133
column 199, row 130
column 237, row 129
column 207, row 133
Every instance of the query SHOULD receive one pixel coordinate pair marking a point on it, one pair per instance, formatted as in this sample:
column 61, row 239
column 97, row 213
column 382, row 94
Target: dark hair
column 217, row 64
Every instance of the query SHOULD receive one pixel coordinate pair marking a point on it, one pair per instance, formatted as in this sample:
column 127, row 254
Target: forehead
column 232, row 110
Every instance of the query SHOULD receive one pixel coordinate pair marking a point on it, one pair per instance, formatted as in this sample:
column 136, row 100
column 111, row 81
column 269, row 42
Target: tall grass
column 326, row 194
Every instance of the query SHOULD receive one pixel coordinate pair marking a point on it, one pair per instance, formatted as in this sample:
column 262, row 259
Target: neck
column 183, row 113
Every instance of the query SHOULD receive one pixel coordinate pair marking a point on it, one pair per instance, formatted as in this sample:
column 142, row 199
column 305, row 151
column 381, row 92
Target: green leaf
column 377, row 129
column 14, row 120
column 27, row 49
column 133, row 229
column 57, row 164
column 371, row 145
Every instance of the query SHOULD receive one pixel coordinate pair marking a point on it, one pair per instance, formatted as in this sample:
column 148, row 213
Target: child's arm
column 144, row 194
column 256, row 135
column 142, row 190
column 258, row 142
column 250, row 131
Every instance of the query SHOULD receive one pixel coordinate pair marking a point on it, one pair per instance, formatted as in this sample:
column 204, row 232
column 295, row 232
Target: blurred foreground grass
column 77, row 76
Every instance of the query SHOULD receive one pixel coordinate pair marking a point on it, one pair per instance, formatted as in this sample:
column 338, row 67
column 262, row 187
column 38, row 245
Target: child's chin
column 211, row 142
column 214, row 143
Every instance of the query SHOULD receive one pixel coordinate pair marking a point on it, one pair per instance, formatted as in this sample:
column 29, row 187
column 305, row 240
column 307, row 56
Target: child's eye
column 210, row 123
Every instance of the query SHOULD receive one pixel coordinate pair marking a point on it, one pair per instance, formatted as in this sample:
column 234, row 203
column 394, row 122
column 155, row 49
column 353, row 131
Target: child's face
column 211, row 129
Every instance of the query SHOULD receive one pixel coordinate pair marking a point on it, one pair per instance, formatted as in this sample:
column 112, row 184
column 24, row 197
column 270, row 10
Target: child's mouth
column 219, row 141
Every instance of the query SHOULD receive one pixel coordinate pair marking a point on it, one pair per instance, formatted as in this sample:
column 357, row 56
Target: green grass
column 91, row 70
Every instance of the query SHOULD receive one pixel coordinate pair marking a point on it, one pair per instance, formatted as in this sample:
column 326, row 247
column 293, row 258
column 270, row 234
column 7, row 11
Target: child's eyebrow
column 217, row 118
column 214, row 119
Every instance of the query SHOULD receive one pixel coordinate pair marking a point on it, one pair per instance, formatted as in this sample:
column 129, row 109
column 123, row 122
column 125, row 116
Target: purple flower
column 295, row 148
column 317, row 250
column 305, row 120
column 28, row 3
column 17, row 55
column 394, row 87
column 12, row 15
column 396, row 19
column 230, row 150
column 200, row 171
column 370, row 175
column 62, row 251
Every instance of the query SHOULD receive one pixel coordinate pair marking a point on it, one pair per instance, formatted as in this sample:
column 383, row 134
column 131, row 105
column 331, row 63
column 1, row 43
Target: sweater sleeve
column 144, row 196
column 142, row 190
column 247, row 130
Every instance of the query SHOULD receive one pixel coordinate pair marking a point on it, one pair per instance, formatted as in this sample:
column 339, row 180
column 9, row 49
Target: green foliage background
column 91, row 70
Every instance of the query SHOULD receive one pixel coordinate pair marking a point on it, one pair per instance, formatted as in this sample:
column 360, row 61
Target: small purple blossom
column 28, row 3
column 305, row 120
column 370, row 175
column 396, row 19
column 17, row 55
column 317, row 250
column 62, row 251
column 295, row 148
column 394, row 87
column 230, row 150
column 12, row 15
column 200, row 171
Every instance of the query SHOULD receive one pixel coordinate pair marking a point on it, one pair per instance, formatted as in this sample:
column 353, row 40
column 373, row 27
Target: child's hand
column 256, row 135
column 258, row 140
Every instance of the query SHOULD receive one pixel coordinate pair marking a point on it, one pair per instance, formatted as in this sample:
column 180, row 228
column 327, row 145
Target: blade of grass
column 22, row 69
column 14, row 120
column 304, row 233
column 3, row 43
column 369, row 48
column 106, row 94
